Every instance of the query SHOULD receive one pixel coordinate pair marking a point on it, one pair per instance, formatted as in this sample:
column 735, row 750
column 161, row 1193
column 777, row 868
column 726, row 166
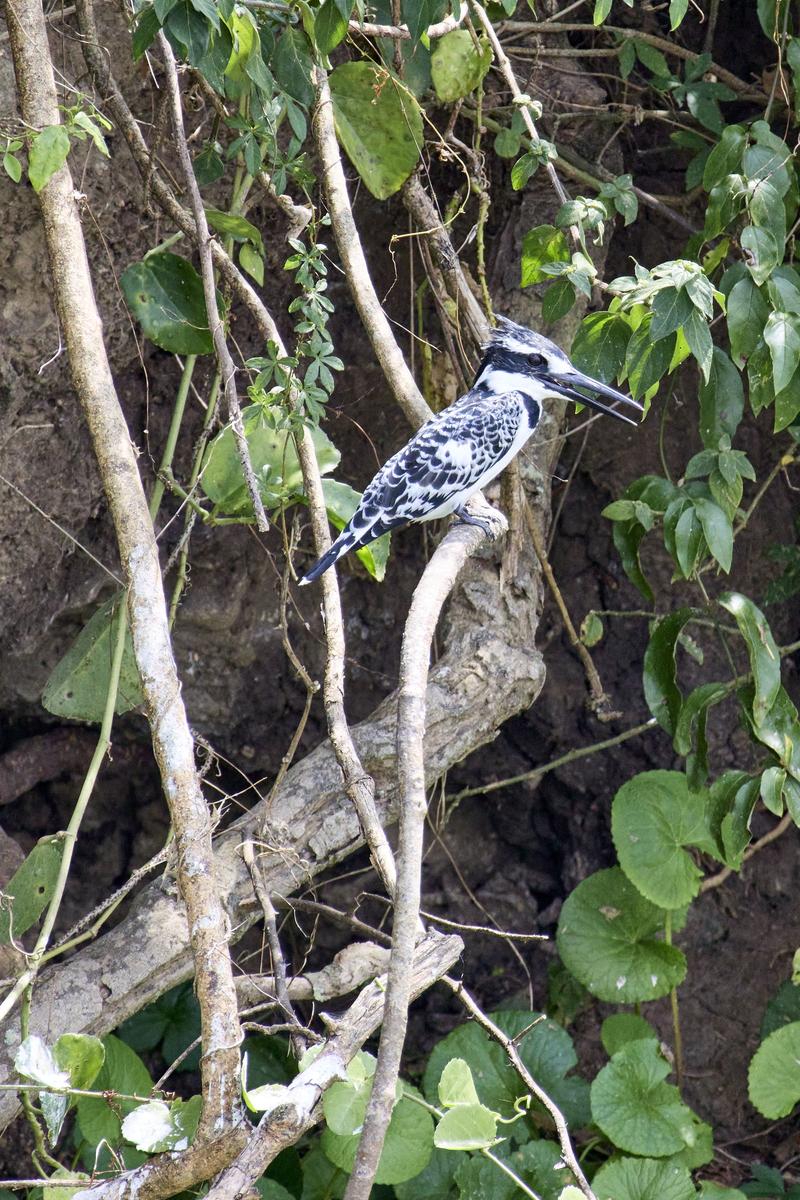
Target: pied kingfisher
column 462, row 448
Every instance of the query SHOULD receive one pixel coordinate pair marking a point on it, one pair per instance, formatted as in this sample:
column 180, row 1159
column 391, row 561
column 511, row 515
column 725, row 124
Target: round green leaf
column 635, row 1108
column 773, row 1082
column 81, row 1055
column 457, row 66
column 621, row 1028
column 344, row 1106
column 642, row 1179
column 165, row 294
column 456, row 1085
column 379, row 123
column 606, row 938
column 406, row 1151
column 653, row 817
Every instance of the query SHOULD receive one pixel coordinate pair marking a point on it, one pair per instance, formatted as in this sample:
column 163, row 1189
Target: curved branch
column 431, row 592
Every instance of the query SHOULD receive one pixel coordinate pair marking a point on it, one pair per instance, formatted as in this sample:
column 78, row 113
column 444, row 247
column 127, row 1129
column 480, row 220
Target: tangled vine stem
column 219, row 1131
column 430, row 595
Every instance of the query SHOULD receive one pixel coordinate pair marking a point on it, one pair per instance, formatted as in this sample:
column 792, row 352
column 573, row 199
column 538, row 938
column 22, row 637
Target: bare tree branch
column 430, row 595
column 172, row 739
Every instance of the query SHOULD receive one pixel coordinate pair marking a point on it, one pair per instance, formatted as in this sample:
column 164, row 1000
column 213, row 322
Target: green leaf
column 677, row 11
column 592, row 630
column 642, row 1179
column 251, row 261
column 721, row 400
column 379, row 123
column 77, row 687
column 773, row 1081
column 761, row 252
column 654, row 817
column 12, row 166
column 47, row 154
column 122, row 1071
column 600, row 345
column 291, row 63
column 717, row 530
column 606, row 938
column 557, row 301
column 456, row 1085
column 30, row 889
column 783, row 287
column 647, row 361
column 457, row 67
column 406, row 1150
column 542, row 245
column 601, row 10
column 661, row 692
column 782, row 335
column 765, row 661
column 165, row 294
column 698, row 336
column 726, row 157
column 771, row 789
column 635, row 1108
column 435, row 1182
column 81, row 1056
column 274, row 459
column 782, row 1009
column 767, row 211
column 467, row 1127
column 233, row 226
column 621, row 1028
column 747, row 315
column 171, row 1023
column 419, row 15
column 545, row 1048
column 672, row 308
column 787, row 404
column 330, row 27
column 188, row 32
column 695, row 705
column 145, row 30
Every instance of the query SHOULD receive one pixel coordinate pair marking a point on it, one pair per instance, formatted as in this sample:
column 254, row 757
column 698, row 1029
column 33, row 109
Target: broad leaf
column 621, row 1028
column 747, row 314
column 717, row 530
column 635, row 1108
column 457, row 67
column 30, row 889
column 661, row 692
column 782, row 335
column 607, row 939
column 78, row 685
column 122, row 1071
column 654, row 817
column 48, row 152
column 406, row 1150
column 600, row 345
column 379, row 123
column 721, row 400
column 341, row 501
column 773, row 1081
column 642, row 1179
column 542, row 245
column 165, row 294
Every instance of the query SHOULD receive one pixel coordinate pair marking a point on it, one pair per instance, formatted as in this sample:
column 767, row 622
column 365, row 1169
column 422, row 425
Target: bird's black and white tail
column 344, row 543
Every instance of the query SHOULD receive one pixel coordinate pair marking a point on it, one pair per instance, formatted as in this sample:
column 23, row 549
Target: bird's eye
column 536, row 360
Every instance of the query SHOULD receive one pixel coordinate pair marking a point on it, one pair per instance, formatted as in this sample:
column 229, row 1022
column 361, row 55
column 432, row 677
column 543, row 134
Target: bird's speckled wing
column 450, row 454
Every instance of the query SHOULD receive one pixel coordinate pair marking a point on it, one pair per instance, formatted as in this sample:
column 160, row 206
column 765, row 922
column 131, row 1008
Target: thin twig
column 430, row 594
column 508, row 1044
column 359, row 786
column 203, row 241
column 600, row 702
column 275, row 949
column 777, row 831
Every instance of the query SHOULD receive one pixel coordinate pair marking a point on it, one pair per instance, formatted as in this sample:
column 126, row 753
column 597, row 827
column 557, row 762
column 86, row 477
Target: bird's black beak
column 582, row 389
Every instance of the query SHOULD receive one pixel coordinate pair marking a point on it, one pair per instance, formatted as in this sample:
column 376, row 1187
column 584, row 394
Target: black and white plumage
column 460, row 450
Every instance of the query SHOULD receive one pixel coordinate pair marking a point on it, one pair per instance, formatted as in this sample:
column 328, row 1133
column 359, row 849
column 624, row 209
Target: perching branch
column 218, row 1132
column 369, row 29
column 351, row 252
column 430, row 595
column 203, row 241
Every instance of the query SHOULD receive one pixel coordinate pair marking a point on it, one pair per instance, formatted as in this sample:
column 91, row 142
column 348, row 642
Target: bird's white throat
column 495, row 381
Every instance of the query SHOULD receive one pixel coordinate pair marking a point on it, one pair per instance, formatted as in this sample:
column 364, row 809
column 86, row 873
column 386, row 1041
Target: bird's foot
column 478, row 511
